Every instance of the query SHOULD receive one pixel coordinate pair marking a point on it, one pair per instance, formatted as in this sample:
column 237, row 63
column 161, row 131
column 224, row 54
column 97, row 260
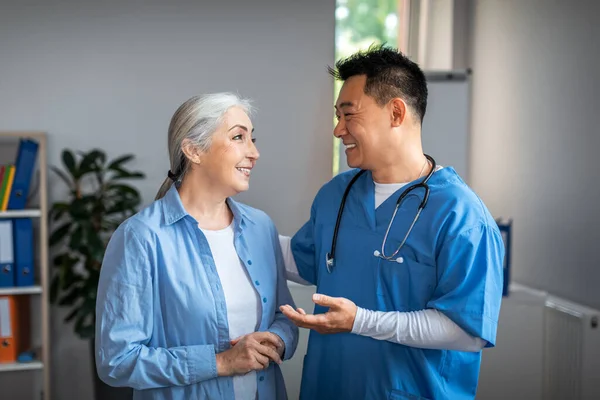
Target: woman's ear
column 398, row 111
column 191, row 151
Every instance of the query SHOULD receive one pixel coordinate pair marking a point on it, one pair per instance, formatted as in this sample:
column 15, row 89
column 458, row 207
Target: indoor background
column 110, row 74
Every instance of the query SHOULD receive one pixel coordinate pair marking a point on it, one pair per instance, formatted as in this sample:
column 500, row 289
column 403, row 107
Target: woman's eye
column 238, row 137
column 253, row 140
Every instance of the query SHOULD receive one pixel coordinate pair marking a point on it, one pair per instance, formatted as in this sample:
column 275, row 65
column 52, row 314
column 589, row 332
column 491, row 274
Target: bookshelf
column 39, row 293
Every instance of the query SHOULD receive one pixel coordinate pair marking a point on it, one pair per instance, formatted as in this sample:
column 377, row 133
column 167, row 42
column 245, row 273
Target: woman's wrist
column 222, row 365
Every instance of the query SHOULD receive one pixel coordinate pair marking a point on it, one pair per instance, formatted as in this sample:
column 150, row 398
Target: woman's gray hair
column 196, row 120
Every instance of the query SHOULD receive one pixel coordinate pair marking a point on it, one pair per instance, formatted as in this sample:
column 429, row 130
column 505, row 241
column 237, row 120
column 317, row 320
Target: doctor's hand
column 248, row 354
column 339, row 318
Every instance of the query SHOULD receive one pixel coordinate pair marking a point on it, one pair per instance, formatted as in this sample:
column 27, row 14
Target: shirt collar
column 174, row 211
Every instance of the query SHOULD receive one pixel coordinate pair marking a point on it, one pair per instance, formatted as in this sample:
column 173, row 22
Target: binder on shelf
column 7, row 276
column 506, row 231
column 7, row 180
column 3, row 169
column 14, row 327
column 23, row 251
column 25, row 163
column 9, row 185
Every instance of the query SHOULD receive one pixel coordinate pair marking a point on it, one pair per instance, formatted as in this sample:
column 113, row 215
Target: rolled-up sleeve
column 281, row 325
column 469, row 289
column 124, row 322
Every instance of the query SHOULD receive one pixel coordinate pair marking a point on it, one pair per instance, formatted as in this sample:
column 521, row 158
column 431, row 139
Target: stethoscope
column 329, row 257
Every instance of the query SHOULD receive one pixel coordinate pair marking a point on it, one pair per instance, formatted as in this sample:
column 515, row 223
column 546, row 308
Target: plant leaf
column 70, row 298
column 58, row 210
column 92, row 162
column 122, row 189
column 54, row 289
column 80, row 209
column 120, row 160
column 63, row 176
column 128, row 175
column 76, row 238
column 71, row 315
column 59, row 234
column 69, row 160
column 86, row 331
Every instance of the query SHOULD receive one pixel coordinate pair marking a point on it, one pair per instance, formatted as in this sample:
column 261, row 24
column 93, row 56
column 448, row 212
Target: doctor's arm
column 471, row 268
column 282, row 326
column 124, row 318
column 426, row 329
column 291, row 269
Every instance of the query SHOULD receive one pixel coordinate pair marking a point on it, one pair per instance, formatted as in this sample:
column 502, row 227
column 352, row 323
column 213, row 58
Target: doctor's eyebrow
column 344, row 105
column 240, row 126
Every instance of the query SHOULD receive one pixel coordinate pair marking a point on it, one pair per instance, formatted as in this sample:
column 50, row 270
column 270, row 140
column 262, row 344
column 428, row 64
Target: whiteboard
column 446, row 125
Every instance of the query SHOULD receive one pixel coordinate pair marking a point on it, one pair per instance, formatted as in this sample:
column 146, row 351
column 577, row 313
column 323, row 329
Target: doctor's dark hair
column 196, row 120
column 390, row 74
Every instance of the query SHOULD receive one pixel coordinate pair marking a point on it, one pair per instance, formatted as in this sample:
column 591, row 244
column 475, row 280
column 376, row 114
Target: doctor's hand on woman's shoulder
column 249, row 353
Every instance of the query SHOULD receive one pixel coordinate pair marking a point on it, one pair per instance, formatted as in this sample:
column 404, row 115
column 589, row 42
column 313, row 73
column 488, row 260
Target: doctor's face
column 232, row 154
column 363, row 126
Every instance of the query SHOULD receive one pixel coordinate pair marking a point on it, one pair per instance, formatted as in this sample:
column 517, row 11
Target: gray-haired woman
column 190, row 287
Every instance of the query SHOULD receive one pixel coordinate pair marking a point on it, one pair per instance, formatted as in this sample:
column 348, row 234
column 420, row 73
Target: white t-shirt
column 240, row 296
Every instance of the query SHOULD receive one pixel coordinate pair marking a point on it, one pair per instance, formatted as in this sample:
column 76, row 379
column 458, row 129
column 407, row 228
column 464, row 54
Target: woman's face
column 229, row 161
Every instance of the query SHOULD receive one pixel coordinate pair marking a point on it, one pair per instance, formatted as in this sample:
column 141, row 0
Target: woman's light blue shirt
column 161, row 314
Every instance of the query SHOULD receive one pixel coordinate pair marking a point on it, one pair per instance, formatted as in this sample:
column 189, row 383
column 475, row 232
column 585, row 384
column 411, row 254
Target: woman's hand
column 249, row 353
column 272, row 340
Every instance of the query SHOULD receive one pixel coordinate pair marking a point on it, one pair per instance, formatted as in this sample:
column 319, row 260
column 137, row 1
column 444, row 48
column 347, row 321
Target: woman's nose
column 253, row 152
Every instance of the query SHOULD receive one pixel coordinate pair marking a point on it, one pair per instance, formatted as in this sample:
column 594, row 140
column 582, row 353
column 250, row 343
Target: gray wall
column 535, row 136
column 110, row 74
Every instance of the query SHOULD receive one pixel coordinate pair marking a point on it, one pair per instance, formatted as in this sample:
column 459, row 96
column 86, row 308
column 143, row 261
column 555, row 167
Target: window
column 358, row 25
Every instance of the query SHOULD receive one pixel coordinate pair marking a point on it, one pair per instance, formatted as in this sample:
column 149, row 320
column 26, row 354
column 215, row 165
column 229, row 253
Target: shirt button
column 262, row 378
column 264, row 299
column 257, row 283
column 249, row 262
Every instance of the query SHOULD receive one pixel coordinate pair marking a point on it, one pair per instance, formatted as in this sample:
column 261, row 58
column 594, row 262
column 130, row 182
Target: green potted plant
column 99, row 199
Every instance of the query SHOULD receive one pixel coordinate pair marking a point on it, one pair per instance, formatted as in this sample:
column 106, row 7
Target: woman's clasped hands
column 250, row 352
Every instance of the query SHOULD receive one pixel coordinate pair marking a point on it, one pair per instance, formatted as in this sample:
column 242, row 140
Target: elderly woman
column 190, row 287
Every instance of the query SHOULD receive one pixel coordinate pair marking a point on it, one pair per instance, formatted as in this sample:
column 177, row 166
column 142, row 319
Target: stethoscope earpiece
column 377, row 253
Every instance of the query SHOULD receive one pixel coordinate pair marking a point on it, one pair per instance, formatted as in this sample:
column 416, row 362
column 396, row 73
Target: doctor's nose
column 340, row 129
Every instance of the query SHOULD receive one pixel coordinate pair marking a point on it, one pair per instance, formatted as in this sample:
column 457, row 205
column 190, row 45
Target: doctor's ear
column 191, row 151
column 398, row 111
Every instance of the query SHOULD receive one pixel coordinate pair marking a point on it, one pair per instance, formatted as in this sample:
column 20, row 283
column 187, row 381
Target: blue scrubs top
column 452, row 262
column 161, row 315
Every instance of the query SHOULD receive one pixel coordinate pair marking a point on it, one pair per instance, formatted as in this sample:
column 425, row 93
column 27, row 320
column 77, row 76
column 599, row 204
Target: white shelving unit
column 21, row 290
column 40, row 292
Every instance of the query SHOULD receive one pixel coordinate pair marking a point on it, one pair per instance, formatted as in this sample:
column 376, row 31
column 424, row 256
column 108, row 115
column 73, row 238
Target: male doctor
column 389, row 323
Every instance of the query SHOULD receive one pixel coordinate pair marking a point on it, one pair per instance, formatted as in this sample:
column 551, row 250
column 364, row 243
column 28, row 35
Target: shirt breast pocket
column 406, row 285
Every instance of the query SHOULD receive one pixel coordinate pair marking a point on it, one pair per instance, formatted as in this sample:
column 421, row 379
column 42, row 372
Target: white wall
column 110, row 74
column 440, row 39
column 535, row 136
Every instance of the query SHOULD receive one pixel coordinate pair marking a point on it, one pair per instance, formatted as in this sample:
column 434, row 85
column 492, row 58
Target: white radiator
column 571, row 351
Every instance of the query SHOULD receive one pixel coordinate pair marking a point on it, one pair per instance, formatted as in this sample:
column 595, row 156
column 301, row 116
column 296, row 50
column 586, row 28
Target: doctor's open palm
column 339, row 318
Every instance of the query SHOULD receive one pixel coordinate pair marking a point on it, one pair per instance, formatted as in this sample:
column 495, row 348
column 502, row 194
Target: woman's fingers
column 270, row 352
column 261, row 360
